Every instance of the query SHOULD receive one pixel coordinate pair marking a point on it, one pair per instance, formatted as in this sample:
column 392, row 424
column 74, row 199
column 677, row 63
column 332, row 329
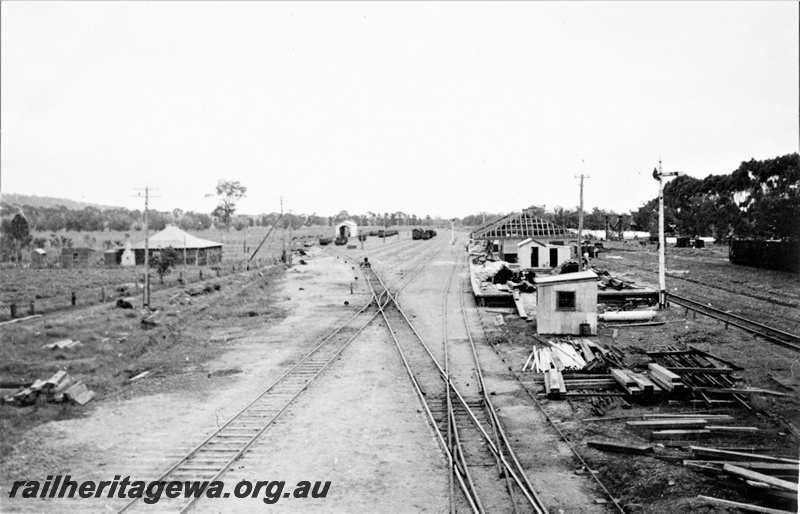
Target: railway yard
column 392, row 390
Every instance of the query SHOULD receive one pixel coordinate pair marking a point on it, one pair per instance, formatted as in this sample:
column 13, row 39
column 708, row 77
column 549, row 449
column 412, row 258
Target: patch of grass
column 116, row 346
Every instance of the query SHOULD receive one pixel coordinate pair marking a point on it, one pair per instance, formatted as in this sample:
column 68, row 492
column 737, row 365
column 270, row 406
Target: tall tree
column 229, row 192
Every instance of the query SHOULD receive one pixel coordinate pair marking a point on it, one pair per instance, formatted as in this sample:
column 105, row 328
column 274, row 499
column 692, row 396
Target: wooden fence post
column 32, row 309
column 13, row 307
column 102, row 294
column 201, row 274
column 74, row 299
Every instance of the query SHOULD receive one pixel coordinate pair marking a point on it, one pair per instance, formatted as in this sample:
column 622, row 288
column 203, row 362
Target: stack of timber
column 571, row 355
column 664, row 377
column 57, row 389
column 710, row 378
column 690, row 427
column 636, row 383
column 554, row 384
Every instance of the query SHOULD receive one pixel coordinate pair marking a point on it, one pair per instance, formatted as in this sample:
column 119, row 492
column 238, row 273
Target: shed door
column 553, row 257
column 534, row 257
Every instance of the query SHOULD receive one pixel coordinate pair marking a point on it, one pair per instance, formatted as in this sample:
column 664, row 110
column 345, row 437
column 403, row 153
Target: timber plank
column 759, row 477
column 734, row 455
column 743, row 506
column 679, row 434
column 640, row 449
column 669, row 423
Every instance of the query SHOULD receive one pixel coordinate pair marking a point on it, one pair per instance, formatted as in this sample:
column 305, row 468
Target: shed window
column 565, row 300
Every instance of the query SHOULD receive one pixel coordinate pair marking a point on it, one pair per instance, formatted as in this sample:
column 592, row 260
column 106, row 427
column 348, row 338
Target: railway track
column 532, row 395
column 210, row 459
column 771, row 334
column 726, row 290
column 484, row 473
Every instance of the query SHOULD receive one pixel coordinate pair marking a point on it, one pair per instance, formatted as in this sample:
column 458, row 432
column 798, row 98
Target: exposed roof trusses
column 520, row 226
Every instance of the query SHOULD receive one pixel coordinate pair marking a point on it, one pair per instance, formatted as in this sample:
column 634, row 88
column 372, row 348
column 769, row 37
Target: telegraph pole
column 283, row 235
column 659, row 175
column 146, row 292
column 580, row 226
column 289, row 255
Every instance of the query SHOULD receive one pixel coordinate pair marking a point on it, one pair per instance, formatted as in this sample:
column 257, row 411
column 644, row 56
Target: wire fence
column 41, row 296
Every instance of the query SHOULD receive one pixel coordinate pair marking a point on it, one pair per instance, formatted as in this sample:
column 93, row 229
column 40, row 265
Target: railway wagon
column 776, row 255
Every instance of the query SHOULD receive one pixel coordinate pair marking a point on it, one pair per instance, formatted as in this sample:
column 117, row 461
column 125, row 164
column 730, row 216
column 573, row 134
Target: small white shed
column 535, row 254
column 567, row 304
column 346, row 228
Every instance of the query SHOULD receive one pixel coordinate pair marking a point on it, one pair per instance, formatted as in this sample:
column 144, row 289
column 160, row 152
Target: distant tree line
column 92, row 219
column 760, row 200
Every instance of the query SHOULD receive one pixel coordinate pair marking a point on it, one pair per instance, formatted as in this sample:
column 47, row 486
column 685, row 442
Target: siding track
column 484, row 473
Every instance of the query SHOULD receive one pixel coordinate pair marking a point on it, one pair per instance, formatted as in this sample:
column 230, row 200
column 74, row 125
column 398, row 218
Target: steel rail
column 437, row 432
column 539, row 506
column 727, row 317
column 560, row 433
column 490, row 443
column 736, row 316
column 261, row 395
column 452, row 427
column 268, row 423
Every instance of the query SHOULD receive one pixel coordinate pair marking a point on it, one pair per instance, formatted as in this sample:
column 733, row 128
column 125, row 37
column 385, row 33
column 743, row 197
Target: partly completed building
column 504, row 235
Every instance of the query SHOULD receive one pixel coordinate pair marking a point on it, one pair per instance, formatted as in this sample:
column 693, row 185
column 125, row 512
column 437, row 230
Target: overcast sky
column 442, row 108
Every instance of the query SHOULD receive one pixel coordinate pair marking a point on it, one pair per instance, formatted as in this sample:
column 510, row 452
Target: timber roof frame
column 520, row 225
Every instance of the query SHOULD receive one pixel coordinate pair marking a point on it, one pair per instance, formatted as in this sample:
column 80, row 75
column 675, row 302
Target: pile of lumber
column 571, row 355
column 710, row 378
column 665, row 378
column 57, row 389
column 691, row 427
column 637, row 384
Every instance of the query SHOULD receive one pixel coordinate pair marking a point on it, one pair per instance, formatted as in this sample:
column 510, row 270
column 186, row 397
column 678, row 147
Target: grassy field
column 51, row 288
column 116, row 345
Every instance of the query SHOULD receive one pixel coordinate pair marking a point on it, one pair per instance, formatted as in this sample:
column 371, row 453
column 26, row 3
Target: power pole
column 283, row 235
column 146, row 291
column 580, row 226
column 659, row 175
column 289, row 255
